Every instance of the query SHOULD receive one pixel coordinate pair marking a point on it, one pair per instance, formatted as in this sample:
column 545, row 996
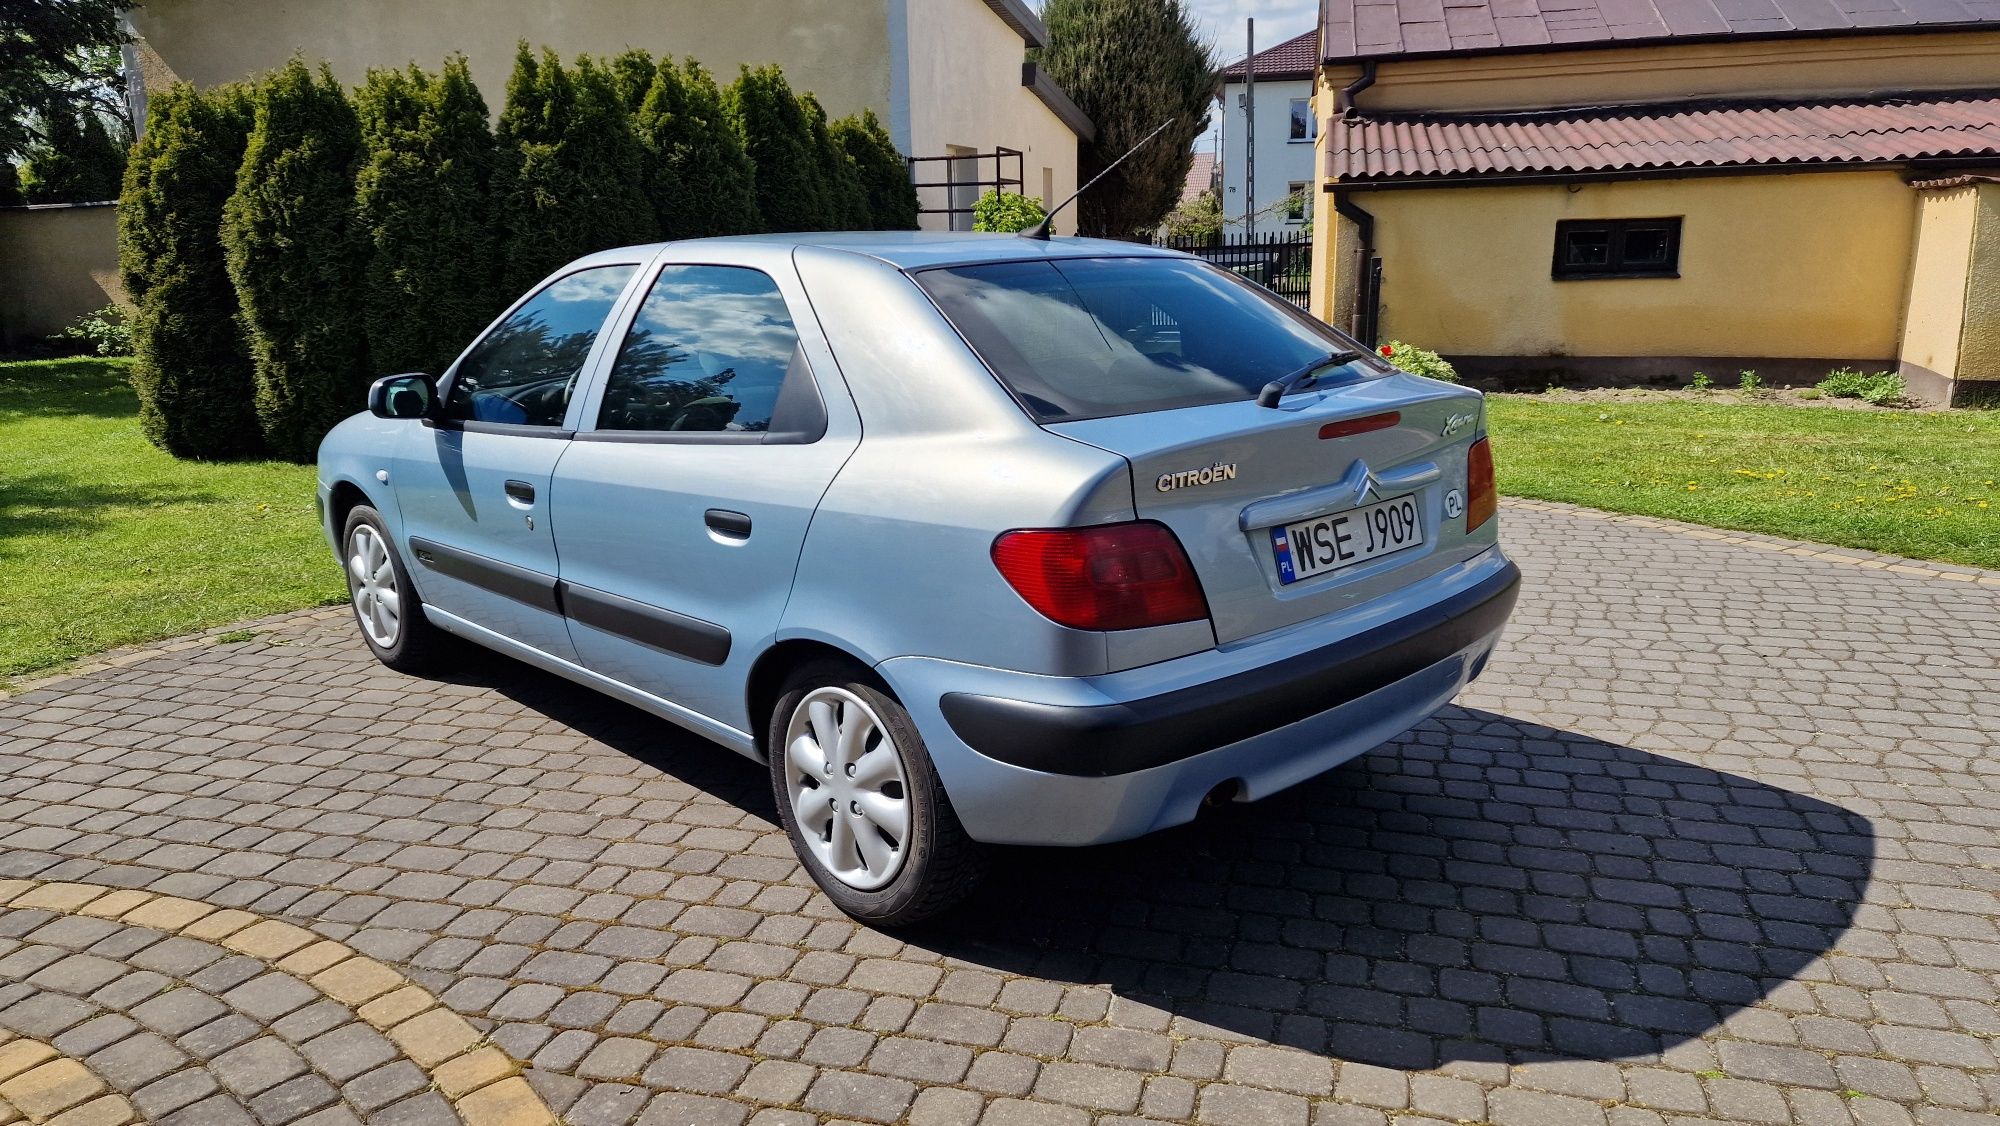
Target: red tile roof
column 1418, row 147
column 1200, row 177
column 1296, row 57
column 1363, row 29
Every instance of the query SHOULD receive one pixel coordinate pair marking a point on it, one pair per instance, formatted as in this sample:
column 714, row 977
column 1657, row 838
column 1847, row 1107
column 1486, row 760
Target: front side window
column 1302, row 120
column 709, row 352
column 1618, row 248
column 1079, row 338
column 1298, row 203
column 524, row 371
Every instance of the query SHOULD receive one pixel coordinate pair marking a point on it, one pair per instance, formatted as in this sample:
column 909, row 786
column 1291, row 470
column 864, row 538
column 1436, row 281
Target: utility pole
column 1249, row 126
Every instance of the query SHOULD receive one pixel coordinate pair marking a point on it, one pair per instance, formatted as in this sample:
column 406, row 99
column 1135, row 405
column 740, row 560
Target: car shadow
column 1481, row 889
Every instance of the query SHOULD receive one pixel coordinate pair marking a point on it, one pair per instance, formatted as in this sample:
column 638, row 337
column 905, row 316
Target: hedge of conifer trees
column 285, row 240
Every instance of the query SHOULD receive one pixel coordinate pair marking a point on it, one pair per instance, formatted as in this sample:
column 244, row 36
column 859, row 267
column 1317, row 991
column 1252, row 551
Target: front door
column 683, row 503
column 473, row 486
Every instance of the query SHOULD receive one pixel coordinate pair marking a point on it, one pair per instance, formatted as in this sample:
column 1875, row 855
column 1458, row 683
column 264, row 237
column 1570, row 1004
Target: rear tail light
column 1481, row 499
column 1105, row 577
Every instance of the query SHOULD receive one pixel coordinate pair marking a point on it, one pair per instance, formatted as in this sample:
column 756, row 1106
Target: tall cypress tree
column 1130, row 64
column 10, row 186
column 791, row 177
column 79, row 162
column 425, row 201
column 700, row 179
column 846, row 200
column 884, row 173
column 572, row 169
column 191, row 365
column 296, row 254
column 632, row 72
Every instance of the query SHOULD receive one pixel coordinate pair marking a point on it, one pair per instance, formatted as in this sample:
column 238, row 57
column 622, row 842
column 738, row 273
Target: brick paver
column 1717, row 839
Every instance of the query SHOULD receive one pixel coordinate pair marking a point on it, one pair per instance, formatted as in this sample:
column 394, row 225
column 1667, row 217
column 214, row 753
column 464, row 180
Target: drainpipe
column 1345, row 102
column 1366, row 300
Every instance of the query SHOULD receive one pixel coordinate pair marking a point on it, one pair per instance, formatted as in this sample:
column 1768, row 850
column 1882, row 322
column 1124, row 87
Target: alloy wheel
column 847, row 787
column 371, row 581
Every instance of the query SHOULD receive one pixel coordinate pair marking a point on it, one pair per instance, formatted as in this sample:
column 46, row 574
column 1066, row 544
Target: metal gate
column 1281, row 263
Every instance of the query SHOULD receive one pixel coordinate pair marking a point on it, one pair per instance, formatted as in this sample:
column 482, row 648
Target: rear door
column 683, row 503
column 473, row 485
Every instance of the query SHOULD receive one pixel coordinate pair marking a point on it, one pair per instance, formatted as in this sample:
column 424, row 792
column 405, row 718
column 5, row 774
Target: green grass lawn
column 105, row 540
column 1920, row 484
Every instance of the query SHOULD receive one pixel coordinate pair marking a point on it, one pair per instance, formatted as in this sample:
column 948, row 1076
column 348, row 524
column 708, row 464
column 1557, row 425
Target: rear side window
column 524, row 371
column 1078, row 338
column 709, row 351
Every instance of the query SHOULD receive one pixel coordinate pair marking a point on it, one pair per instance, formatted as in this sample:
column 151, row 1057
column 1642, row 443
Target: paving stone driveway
column 1716, row 839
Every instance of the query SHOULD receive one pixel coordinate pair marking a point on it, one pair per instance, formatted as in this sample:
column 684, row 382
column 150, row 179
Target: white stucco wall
column 964, row 91
column 1281, row 161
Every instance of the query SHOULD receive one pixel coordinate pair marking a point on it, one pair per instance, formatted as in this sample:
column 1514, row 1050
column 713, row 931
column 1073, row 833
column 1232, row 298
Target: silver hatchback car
column 973, row 540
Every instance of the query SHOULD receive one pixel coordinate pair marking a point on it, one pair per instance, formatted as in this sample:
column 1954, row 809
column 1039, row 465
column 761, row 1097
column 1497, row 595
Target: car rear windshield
column 1077, row 338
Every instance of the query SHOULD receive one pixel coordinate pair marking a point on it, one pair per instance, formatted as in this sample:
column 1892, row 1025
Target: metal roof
column 1418, row 147
column 1374, row 29
column 1296, row 57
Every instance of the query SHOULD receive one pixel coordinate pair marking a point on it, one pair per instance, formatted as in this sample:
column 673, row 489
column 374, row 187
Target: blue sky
column 1277, row 21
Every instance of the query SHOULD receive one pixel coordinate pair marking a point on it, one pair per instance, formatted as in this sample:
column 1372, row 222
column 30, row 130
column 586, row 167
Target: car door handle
column 728, row 523
column 520, row 492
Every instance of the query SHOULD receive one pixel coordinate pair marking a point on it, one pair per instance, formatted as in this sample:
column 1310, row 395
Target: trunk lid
column 1222, row 476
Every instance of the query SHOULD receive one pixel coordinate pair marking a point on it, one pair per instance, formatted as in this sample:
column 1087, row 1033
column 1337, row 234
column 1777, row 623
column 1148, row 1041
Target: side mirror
column 402, row 396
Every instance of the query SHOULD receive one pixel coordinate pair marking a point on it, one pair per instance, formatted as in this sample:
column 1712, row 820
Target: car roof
column 916, row 250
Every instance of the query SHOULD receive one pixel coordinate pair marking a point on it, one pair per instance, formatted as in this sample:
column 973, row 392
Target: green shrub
column 1882, row 388
column 1419, row 361
column 1005, row 211
column 192, row 371
column 78, row 162
column 1701, row 382
column 106, row 332
column 884, row 174
column 296, row 254
column 699, row 178
column 1199, row 218
column 847, row 202
column 425, row 203
column 792, row 192
column 632, row 73
column 1749, row 382
column 571, row 167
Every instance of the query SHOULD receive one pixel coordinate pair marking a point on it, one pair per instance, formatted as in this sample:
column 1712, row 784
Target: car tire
column 394, row 628
column 934, row 864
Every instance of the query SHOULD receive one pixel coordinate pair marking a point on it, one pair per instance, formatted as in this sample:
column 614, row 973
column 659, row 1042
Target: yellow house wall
column 965, row 89
column 1772, row 68
column 1940, row 267
column 56, row 264
column 1979, row 337
column 838, row 49
column 1808, row 265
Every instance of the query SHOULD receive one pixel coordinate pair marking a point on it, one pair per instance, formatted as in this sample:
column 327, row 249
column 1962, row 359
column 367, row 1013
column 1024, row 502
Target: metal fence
column 1281, row 263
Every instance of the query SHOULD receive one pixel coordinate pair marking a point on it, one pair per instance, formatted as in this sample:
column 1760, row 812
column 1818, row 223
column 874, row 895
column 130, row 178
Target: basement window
column 1618, row 248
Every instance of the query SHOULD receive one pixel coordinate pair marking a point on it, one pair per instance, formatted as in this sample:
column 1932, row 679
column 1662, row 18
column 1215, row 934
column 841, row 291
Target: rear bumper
column 1052, row 760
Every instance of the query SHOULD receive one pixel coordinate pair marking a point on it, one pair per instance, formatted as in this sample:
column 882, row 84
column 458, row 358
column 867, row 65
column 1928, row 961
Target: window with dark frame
column 1618, row 248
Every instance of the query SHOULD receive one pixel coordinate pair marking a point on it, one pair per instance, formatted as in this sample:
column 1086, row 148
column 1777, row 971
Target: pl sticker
column 1454, row 504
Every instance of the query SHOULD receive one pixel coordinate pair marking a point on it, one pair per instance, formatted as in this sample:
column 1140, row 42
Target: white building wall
column 963, row 93
column 1281, row 160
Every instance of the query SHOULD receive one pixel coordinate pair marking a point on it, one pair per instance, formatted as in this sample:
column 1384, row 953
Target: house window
column 1298, row 202
column 1303, row 126
column 1618, row 248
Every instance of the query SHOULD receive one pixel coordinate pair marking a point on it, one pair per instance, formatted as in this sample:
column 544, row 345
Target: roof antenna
column 1040, row 231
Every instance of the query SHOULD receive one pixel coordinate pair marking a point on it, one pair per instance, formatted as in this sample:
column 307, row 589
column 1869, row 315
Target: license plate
column 1343, row 539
